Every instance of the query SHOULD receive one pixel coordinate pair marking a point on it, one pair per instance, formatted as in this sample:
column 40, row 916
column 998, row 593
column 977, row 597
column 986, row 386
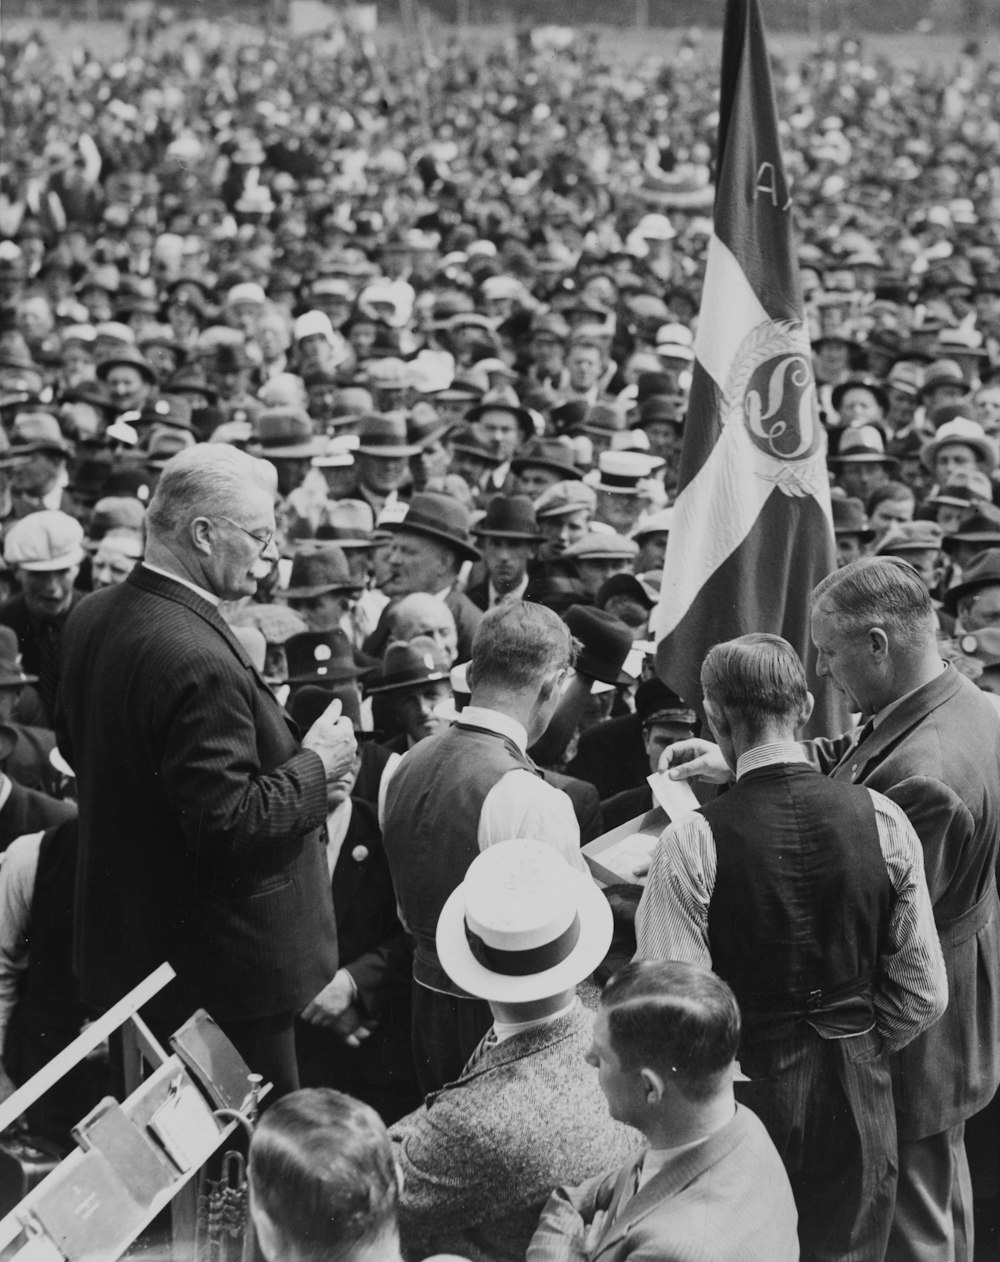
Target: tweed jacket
column 726, row 1200
column 937, row 755
column 482, row 1155
column 200, row 816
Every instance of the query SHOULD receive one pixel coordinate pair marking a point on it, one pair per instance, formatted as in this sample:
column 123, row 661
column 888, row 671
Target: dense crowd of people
column 343, row 388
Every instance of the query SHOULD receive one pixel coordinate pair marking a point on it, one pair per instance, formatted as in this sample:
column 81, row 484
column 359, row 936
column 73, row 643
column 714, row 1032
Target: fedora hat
column 967, row 432
column 509, row 517
column 439, row 517
column 523, row 925
column 657, row 408
column 864, row 444
column 286, row 433
column 983, row 572
column 349, row 524
column 554, row 454
column 874, row 388
column 11, row 671
column 499, row 403
column 384, row 434
column 129, row 357
column 464, row 438
column 982, row 527
column 309, row 701
column 165, row 409
column 321, row 569
column 606, row 642
column 37, row 431
column 191, row 379
column 410, row 663
column 849, row 519
column 322, row 657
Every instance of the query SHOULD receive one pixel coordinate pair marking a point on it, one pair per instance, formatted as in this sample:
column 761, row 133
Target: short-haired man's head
column 756, row 678
column 879, row 591
column 517, row 644
column 322, row 1172
column 678, row 1019
column 204, row 480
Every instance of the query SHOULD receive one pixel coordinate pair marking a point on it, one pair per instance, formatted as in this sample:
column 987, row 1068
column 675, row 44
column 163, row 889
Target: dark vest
column 801, row 900
column 431, row 832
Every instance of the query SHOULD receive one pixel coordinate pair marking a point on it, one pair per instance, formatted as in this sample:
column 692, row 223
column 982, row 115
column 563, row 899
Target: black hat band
column 524, row 963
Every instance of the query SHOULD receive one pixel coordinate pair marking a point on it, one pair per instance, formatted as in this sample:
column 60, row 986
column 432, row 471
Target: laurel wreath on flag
column 773, row 339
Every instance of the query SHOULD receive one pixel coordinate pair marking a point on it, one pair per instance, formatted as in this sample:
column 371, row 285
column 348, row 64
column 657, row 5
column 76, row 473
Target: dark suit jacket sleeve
column 940, row 819
column 211, row 772
column 373, row 970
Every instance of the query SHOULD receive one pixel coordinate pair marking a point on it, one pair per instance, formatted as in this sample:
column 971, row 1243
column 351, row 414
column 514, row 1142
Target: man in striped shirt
column 809, row 898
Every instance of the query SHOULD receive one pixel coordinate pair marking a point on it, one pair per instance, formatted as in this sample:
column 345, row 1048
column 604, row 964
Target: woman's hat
column 523, row 925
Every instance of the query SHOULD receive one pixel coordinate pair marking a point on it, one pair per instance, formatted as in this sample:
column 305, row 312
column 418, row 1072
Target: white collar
column 185, row 582
column 494, row 721
column 768, row 755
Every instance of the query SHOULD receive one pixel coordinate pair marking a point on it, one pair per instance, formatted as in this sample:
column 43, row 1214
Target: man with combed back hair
column 709, row 1183
column 809, row 899
column 455, row 794
column 201, row 812
column 931, row 743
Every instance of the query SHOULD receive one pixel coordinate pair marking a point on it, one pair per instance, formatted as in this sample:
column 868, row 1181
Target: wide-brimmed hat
column 44, row 541
column 309, row 701
column 384, row 434
column 554, row 454
column 463, row 438
column 655, row 409
column 523, row 925
column 863, row 444
column 438, row 517
column 874, row 388
column 322, row 657
column 606, row 642
column 620, row 472
column 349, row 524
column 509, row 517
column 321, row 569
column 910, row 536
column 11, row 671
column 942, row 372
column 981, row 528
column 849, row 518
column 967, row 432
column 36, row 431
column 286, row 433
column 983, row 572
column 499, row 403
column 129, row 357
column 410, row 663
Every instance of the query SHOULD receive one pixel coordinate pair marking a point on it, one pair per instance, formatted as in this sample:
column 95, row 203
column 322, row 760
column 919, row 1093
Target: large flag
column 752, row 531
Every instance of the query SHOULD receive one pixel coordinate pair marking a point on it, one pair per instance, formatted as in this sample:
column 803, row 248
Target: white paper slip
column 675, row 796
column 630, row 857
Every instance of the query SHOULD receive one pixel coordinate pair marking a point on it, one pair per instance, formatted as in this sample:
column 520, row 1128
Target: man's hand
column 695, row 759
column 332, row 737
column 334, row 1009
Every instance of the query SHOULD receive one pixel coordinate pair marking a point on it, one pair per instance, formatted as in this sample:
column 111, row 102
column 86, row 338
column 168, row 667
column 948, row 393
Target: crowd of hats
column 360, row 290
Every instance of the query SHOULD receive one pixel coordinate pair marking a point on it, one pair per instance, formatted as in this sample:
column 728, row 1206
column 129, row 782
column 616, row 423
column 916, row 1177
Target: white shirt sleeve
column 17, row 888
column 671, row 921
column 521, row 804
column 911, row 985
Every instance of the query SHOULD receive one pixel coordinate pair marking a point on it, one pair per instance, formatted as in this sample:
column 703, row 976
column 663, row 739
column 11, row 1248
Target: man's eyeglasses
column 264, row 541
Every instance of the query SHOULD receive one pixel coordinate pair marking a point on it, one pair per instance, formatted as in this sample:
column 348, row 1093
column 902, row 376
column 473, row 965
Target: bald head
column 423, row 614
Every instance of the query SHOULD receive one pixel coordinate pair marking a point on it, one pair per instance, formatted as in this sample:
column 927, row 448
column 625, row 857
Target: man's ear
column 807, row 709
column 200, row 533
column 652, row 1085
column 878, row 644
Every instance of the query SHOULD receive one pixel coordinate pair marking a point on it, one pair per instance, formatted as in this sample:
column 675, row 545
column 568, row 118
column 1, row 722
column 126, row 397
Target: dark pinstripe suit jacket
column 199, row 814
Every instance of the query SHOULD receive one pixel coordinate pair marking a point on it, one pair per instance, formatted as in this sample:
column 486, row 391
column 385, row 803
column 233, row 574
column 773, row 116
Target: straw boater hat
column 523, row 925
